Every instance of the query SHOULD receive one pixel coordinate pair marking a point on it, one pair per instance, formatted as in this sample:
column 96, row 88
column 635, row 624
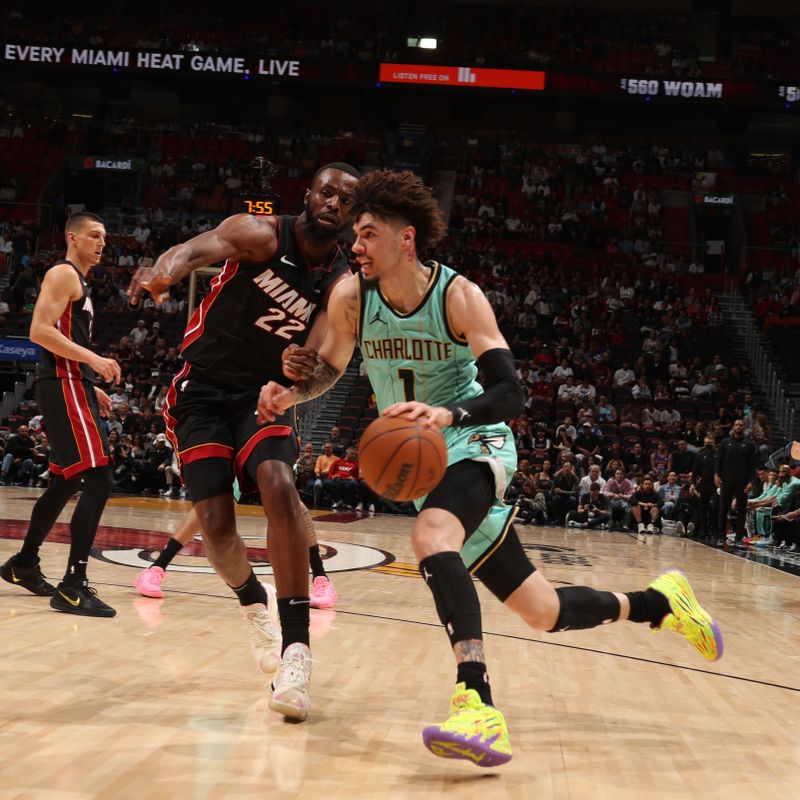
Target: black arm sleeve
column 502, row 398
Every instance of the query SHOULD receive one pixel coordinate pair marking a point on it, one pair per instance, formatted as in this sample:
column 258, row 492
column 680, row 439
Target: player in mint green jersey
column 425, row 332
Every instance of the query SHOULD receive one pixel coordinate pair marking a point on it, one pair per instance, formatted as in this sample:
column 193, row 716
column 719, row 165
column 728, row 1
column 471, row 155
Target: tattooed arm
column 334, row 355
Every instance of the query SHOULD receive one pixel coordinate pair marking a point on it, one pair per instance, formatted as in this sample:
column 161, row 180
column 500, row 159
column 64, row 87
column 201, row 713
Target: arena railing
column 761, row 357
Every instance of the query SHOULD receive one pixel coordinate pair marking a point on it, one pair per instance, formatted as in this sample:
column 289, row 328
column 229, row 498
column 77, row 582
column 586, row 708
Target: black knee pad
column 454, row 595
column 583, row 607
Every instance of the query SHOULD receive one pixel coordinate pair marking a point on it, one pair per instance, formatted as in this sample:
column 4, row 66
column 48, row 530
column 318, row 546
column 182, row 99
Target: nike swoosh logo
column 294, row 602
column 14, row 577
column 286, row 261
column 72, row 602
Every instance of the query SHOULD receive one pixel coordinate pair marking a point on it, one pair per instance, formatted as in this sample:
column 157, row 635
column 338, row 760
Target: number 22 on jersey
column 276, row 322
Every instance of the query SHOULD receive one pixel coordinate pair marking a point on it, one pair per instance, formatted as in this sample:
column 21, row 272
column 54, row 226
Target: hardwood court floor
column 165, row 701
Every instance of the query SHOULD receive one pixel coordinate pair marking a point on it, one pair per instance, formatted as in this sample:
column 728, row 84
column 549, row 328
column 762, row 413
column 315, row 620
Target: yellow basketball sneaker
column 688, row 617
column 474, row 731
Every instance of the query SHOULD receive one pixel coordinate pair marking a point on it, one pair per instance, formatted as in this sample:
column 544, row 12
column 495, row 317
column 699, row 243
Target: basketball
column 400, row 459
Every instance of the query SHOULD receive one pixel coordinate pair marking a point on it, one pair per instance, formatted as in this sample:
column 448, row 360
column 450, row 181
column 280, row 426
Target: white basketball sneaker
column 290, row 688
column 265, row 633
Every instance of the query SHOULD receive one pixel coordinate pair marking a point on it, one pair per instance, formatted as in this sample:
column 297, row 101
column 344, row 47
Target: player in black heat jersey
column 70, row 404
column 272, row 293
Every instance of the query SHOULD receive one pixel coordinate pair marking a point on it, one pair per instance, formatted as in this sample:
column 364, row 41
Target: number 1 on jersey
column 408, row 378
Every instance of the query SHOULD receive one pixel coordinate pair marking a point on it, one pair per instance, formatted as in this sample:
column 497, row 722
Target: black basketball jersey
column 254, row 311
column 76, row 324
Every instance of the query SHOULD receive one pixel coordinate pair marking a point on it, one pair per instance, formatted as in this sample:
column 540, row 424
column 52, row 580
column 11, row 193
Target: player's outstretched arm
column 335, row 353
column 61, row 287
column 240, row 238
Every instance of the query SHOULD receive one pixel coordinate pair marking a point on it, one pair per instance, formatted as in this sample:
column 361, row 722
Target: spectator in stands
column 564, row 437
column 636, row 459
column 619, row 491
column 624, row 377
column 669, row 493
column 138, row 335
column 540, row 447
column 172, row 363
column 702, row 388
column 613, row 458
column 565, row 492
column 128, row 420
column 153, row 475
column 562, row 372
column 567, row 390
column 670, row 417
column 304, row 469
column 585, row 413
column 19, row 448
column 682, row 461
column 716, row 369
column 605, row 411
column 660, row 459
column 651, row 416
column 646, row 507
column 592, row 510
column 523, row 439
column 592, row 476
column 587, row 442
column 687, row 510
column 761, row 435
column 338, row 442
column 542, row 493
column 542, row 390
column 640, row 390
column 321, row 468
column 630, row 417
column 118, row 397
column 343, row 480
column 141, row 233
column 32, row 468
column 585, row 391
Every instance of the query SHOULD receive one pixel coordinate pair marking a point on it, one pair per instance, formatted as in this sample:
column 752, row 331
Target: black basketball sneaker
column 81, row 600
column 30, row 578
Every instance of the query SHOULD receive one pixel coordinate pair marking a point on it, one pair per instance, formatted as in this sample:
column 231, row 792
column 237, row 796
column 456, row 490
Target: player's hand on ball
column 299, row 362
column 425, row 415
column 273, row 400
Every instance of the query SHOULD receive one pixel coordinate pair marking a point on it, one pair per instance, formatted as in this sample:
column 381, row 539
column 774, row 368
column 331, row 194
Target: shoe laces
column 295, row 673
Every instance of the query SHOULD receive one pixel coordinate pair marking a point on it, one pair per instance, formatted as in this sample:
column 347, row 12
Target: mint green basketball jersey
column 417, row 356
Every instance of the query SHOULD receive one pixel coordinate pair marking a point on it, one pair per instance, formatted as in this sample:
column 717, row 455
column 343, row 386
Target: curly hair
column 390, row 195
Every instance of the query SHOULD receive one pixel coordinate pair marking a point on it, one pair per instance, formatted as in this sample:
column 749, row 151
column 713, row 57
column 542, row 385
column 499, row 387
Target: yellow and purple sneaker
column 688, row 617
column 474, row 731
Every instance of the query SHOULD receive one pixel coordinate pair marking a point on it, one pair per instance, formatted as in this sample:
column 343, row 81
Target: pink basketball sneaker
column 149, row 582
column 323, row 594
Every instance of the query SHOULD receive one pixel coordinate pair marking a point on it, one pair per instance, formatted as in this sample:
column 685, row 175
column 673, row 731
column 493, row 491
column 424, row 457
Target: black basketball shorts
column 75, row 433
column 468, row 492
column 216, row 436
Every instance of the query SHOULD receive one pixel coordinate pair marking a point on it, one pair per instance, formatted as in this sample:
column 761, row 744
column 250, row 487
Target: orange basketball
column 401, row 460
